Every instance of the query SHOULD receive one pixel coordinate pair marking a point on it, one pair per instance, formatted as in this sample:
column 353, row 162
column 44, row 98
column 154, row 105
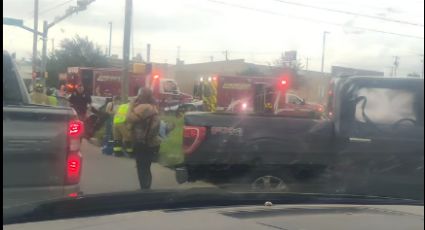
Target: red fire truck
column 106, row 82
column 254, row 94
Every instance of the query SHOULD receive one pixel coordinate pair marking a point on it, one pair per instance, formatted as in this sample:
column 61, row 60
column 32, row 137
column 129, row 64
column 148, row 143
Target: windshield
column 287, row 96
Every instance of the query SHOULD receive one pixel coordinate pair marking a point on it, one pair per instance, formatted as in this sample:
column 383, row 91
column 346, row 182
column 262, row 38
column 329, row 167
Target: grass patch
column 171, row 151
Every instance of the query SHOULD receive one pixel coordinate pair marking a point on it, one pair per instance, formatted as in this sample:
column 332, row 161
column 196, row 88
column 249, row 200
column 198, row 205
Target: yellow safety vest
column 53, row 101
column 121, row 115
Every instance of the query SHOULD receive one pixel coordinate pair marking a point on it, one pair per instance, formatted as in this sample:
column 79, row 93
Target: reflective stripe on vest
column 120, row 116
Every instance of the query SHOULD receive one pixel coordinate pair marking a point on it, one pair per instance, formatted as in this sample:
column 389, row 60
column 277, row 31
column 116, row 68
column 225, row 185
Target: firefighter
column 122, row 132
column 38, row 96
column 81, row 102
column 52, row 98
column 209, row 94
column 111, row 109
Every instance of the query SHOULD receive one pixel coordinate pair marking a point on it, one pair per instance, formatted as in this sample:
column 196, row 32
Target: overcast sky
column 204, row 28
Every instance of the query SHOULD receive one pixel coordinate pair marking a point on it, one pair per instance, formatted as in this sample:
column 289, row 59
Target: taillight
column 73, row 168
column 75, row 128
column 74, row 158
column 193, row 136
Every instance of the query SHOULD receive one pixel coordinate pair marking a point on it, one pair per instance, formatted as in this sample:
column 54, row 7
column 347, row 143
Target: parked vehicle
column 367, row 136
column 240, row 94
column 41, row 145
column 106, row 82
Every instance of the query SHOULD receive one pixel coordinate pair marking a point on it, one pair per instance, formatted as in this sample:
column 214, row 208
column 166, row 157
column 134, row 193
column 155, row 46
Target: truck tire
column 270, row 180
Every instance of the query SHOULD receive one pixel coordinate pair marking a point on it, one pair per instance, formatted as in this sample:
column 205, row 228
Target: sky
column 255, row 30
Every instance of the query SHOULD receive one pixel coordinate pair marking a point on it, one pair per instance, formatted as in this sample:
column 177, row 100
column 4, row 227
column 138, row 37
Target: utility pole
column 126, row 50
column 212, row 58
column 44, row 50
column 323, row 50
column 422, row 72
column 396, row 63
column 148, row 53
column 81, row 5
column 35, row 38
column 110, row 38
column 226, row 54
column 306, row 63
column 53, row 45
column 178, row 55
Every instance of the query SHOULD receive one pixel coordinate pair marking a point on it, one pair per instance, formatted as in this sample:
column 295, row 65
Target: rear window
column 11, row 92
column 387, row 106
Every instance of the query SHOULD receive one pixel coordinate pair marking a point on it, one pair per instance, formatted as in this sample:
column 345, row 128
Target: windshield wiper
column 104, row 204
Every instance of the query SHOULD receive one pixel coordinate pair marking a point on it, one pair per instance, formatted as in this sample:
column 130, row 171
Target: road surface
column 105, row 174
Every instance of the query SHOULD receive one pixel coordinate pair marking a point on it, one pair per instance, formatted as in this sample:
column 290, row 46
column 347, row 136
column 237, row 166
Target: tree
column 294, row 67
column 77, row 51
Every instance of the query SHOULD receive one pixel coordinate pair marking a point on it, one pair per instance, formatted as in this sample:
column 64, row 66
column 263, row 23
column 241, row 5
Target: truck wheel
column 269, row 182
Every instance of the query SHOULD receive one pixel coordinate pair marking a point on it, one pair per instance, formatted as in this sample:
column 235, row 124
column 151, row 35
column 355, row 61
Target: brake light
column 73, row 168
column 76, row 128
column 193, row 136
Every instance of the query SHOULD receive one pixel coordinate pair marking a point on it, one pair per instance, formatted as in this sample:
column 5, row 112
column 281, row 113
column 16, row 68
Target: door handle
column 360, row 140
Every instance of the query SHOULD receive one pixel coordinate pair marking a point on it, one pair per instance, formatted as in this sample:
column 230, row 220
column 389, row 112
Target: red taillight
column 156, row 76
column 283, row 82
column 73, row 168
column 193, row 136
column 76, row 128
column 74, row 194
column 74, row 159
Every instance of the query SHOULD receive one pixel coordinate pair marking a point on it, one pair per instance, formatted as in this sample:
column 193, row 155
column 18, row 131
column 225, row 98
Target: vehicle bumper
column 24, row 195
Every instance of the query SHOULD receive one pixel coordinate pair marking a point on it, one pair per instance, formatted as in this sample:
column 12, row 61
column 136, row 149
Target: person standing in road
column 111, row 109
column 38, row 96
column 80, row 101
column 144, row 118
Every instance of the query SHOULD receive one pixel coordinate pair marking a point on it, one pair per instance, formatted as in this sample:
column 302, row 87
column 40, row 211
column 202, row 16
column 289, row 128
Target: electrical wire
column 312, row 20
column 349, row 13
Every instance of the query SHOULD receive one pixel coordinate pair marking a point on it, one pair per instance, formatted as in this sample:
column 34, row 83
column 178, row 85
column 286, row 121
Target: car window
column 11, row 92
column 385, row 106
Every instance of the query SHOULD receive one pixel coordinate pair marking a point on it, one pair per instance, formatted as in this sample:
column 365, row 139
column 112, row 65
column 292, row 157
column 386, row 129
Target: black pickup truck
column 373, row 131
column 41, row 145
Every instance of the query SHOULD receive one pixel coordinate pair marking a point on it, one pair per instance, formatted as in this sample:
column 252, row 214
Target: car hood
column 289, row 217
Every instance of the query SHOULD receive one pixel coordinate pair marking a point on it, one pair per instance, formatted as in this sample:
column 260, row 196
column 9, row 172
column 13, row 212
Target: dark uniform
column 79, row 102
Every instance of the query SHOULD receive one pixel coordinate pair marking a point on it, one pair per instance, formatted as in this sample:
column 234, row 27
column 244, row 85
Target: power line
column 312, row 20
column 350, row 13
column 51, row 8
column 56, row 6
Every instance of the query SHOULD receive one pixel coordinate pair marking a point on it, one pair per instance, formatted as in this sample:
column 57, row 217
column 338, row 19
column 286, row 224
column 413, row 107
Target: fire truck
column 247, row 94
column 106, row 82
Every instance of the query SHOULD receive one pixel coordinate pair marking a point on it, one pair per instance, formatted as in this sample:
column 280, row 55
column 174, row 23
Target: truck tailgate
column 34, row 146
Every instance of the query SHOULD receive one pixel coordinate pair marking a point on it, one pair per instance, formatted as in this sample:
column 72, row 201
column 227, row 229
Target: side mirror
column 302, row 101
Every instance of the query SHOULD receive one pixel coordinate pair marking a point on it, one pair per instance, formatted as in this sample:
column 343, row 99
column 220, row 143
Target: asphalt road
column 105, row 174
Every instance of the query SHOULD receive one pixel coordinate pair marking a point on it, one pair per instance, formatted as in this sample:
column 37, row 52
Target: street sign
column 13, row 22
column 291, row 55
